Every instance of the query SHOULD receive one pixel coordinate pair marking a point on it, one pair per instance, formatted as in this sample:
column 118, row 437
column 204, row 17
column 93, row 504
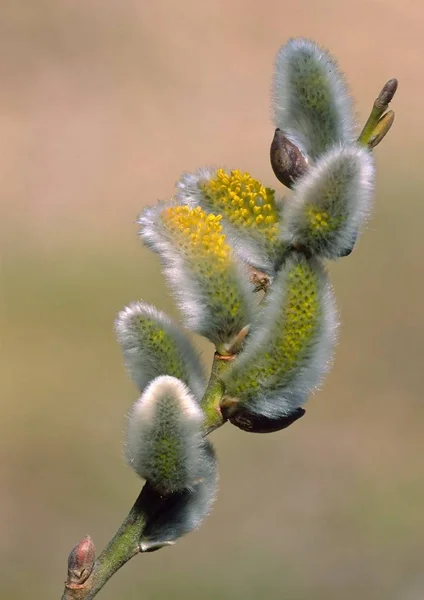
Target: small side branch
column 379, row 121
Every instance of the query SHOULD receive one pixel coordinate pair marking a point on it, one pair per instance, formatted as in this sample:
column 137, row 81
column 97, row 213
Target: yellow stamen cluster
column 243, row 200
column 295, row 328
column 197, row 233
column 302, row 313
column 320, row 221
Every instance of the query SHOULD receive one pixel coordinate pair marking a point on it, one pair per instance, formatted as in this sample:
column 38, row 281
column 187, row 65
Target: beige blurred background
column 102, row 104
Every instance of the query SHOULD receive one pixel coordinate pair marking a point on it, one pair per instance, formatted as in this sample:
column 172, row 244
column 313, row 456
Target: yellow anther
column 198, row 233
column 241, row 199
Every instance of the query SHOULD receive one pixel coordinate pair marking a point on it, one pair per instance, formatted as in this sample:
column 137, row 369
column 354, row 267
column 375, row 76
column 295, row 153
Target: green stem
column 123, row 546
column 370, row 125
column 213, row 394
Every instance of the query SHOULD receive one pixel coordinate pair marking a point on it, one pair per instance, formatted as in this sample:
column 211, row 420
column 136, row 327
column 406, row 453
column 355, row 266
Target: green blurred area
column 103, row 104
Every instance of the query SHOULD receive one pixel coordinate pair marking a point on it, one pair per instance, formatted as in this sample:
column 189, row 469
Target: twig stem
column 125, row 544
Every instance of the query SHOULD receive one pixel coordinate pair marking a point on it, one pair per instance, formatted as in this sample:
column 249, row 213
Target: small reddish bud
column 81, row 562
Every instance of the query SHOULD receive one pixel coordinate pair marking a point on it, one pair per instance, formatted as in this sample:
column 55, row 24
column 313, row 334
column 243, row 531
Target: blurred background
column 103, row 103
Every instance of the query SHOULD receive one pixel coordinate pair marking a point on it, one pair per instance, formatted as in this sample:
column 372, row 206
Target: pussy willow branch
column 83, row 583
column 126, row 542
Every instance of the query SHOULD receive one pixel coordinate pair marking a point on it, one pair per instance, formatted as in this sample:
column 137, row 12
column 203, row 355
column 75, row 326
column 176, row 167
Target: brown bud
column 287, row 161
column 259, row 424
column 387, row 93
column 81, row 562
column 381, row 129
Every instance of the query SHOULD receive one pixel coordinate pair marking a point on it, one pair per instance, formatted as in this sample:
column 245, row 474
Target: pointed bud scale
column 209, row 286
column 331, row 202
column 251, row 216
column 382, row 129
column 183, row 511
column 164, row 439
column 153, row 345
column 289, row 347
column 287, row 161
column 310, row 98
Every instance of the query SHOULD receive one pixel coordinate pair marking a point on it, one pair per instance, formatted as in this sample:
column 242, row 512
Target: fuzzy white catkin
column 153, row 345
column 188, row 186
column 300, row 306
column 187, row 509
column 331, row 202
column 164, row 439
column 311, row 103
column 253, row 245
column 215, row 300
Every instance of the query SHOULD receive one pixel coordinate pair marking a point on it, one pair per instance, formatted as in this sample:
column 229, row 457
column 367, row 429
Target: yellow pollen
column 199, row 233
column 320, row 220
column 243, row 200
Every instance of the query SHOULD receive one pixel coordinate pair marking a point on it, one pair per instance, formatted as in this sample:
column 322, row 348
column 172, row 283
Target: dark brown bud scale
column 287, row 161
column 259, row 424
